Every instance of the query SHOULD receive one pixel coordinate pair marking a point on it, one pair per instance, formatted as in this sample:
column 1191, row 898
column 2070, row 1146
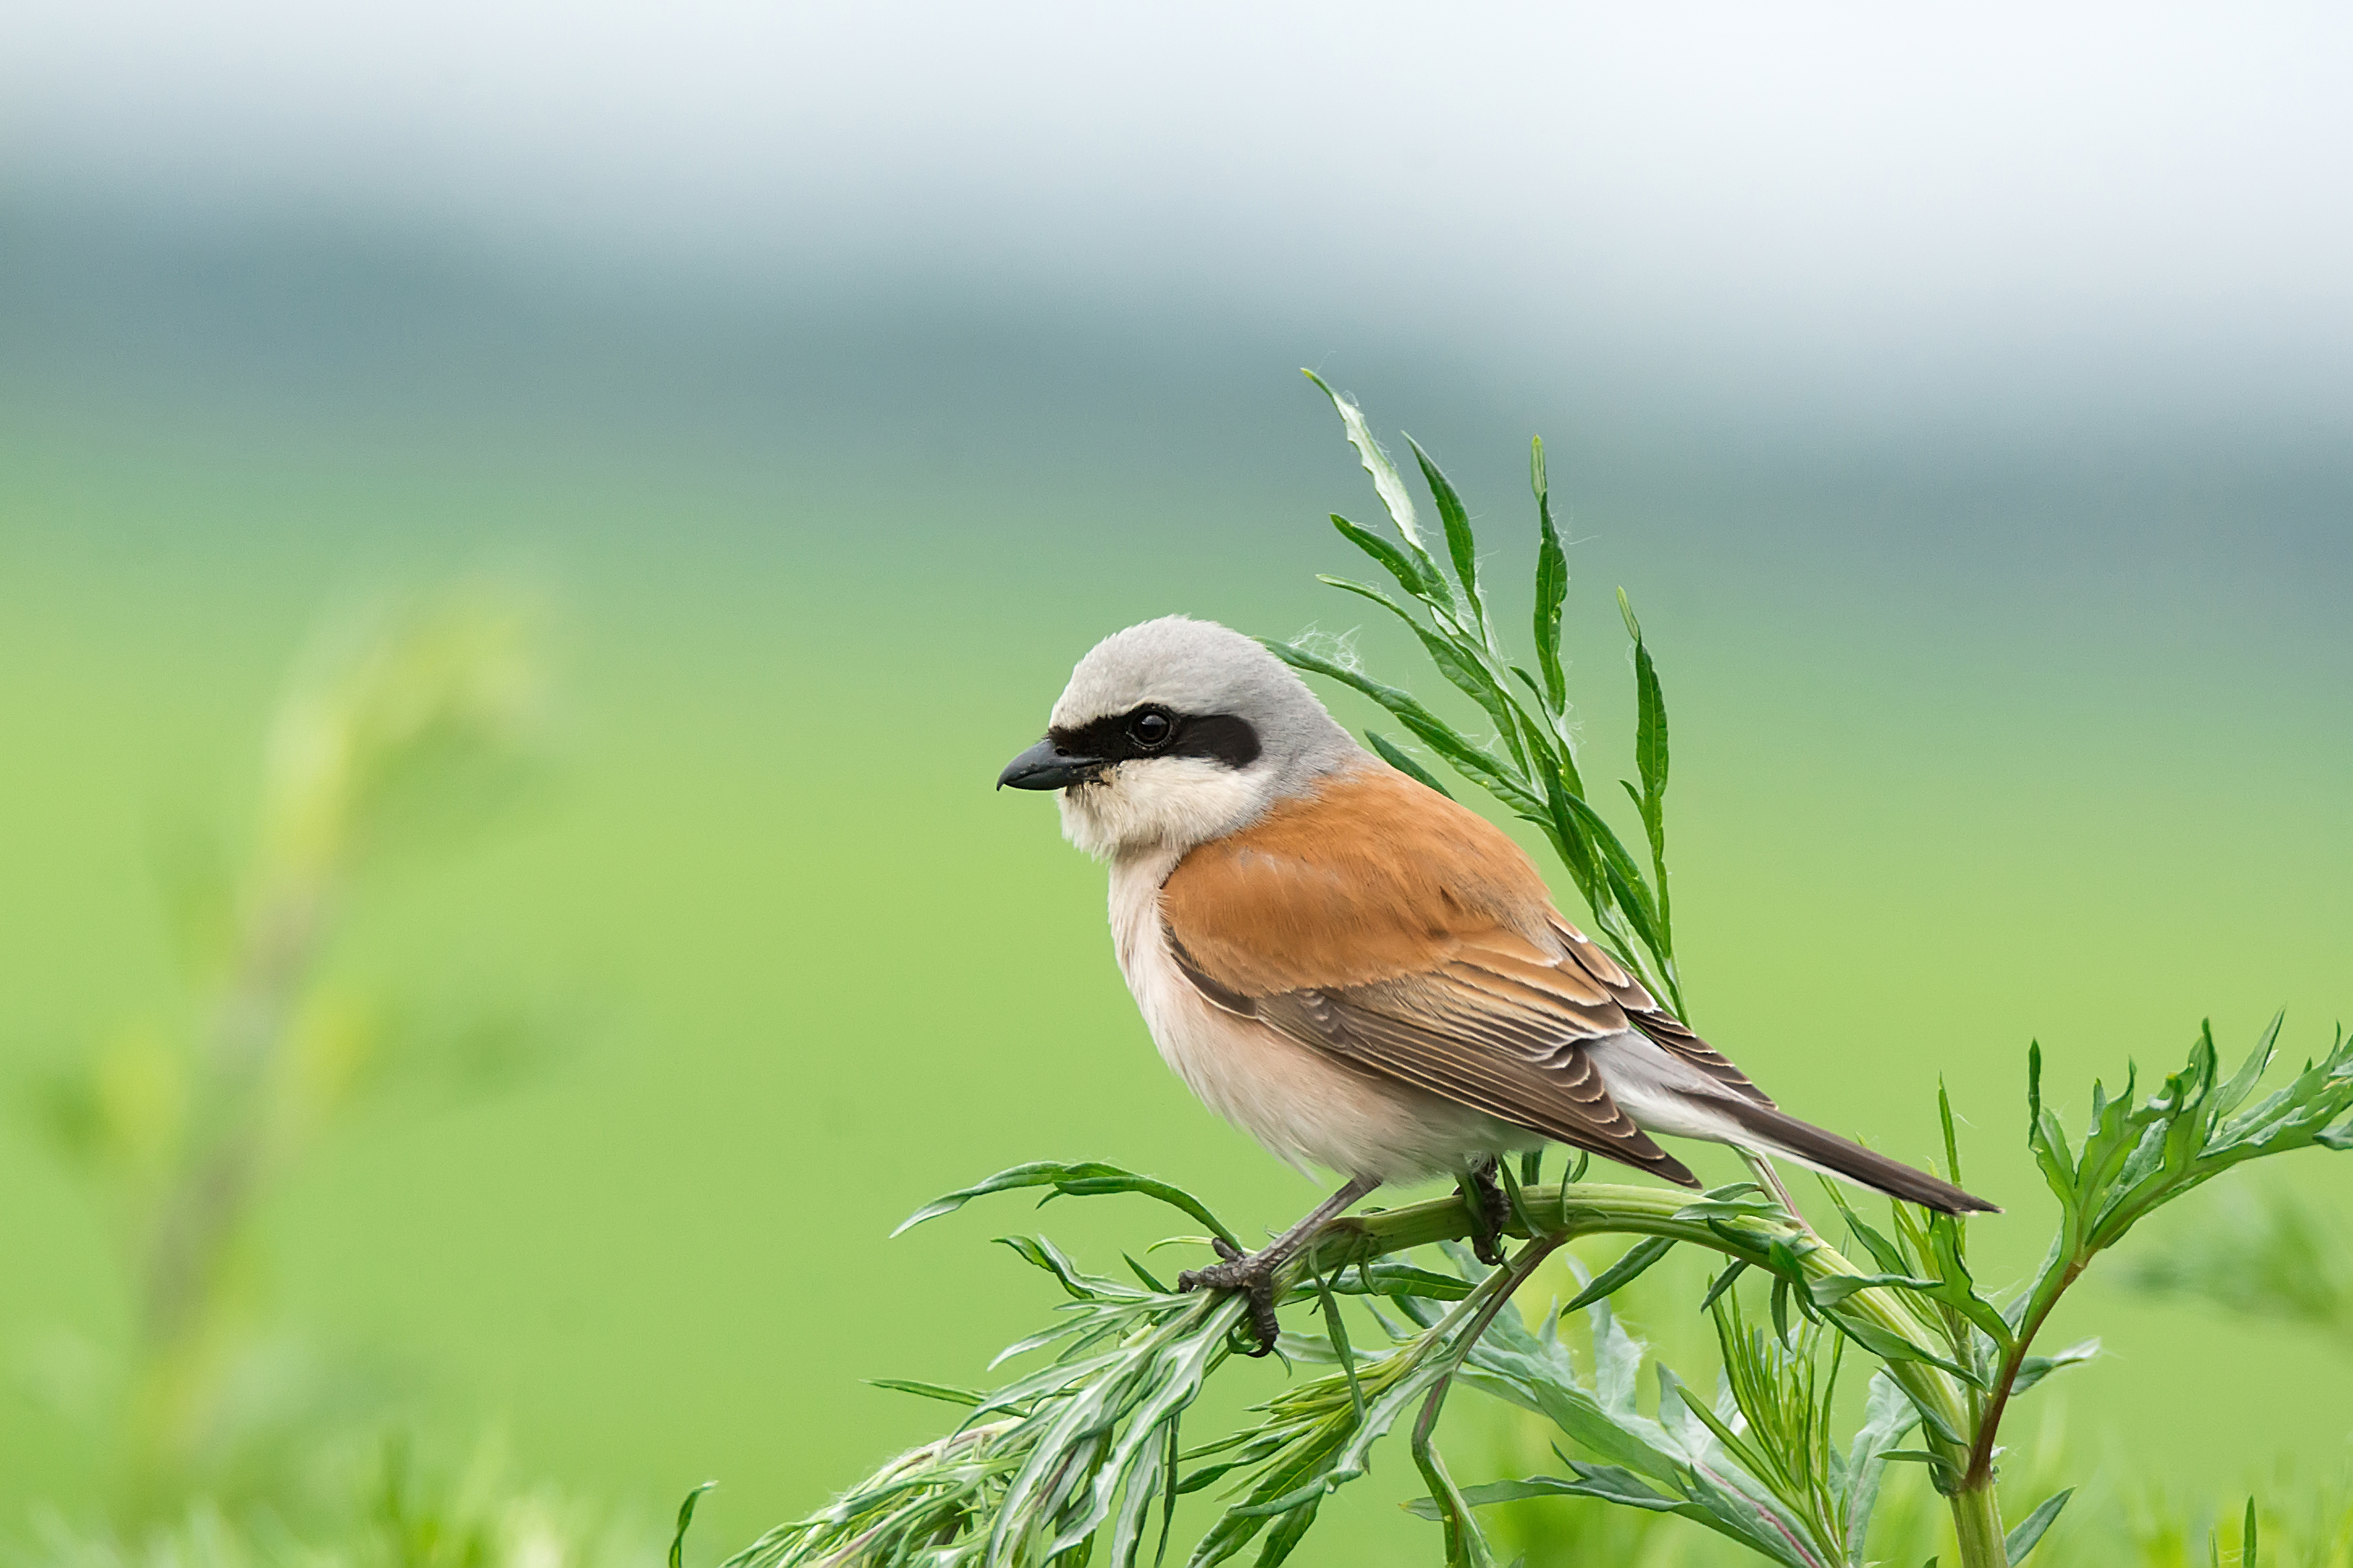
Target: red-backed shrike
column 1361, row 973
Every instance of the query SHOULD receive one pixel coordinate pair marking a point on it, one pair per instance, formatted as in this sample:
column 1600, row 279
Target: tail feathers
column 1781, row 1133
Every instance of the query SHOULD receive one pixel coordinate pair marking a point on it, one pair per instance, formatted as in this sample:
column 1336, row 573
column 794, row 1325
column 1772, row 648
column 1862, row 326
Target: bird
column 1359, row 972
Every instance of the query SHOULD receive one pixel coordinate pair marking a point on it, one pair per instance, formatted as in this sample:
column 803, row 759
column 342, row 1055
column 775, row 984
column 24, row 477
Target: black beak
column 1047, row 766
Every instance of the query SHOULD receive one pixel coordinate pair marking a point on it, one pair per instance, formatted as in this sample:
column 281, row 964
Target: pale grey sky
column 2117, row 177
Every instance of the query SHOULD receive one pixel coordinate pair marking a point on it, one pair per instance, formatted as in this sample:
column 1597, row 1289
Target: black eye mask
column 1153, row 731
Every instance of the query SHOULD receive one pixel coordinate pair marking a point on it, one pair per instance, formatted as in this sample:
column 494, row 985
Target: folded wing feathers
column 1567, row 1102
column 1665, row 1030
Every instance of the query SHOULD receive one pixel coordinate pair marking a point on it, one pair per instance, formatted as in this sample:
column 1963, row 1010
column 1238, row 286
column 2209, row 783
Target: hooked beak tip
column 1047, row 766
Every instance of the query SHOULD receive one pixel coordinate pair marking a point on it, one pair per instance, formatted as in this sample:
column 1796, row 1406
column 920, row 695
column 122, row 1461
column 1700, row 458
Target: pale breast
column 1303, row 1105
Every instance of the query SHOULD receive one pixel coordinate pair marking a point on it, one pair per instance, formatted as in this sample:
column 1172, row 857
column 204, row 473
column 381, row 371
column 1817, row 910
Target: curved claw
column 1252, row 1273
column 1491, row 1211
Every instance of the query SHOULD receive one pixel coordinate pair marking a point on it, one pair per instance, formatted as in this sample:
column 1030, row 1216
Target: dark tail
column 1782, row 1133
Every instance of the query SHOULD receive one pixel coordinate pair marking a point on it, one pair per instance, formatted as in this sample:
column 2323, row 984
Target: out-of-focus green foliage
column 389, row 1511
column 399, row 729
column 2261, row 1252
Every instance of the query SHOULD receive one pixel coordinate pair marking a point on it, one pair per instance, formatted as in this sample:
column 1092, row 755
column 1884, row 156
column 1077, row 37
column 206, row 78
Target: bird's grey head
column 1178, row 731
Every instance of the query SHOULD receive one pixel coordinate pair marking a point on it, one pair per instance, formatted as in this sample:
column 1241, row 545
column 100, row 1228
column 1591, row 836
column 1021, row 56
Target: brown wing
column 1668, row 1032
column 1383, row 923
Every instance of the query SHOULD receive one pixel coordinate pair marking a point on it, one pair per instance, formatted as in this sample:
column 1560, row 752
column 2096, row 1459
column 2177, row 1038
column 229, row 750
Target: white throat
column 1159, row 805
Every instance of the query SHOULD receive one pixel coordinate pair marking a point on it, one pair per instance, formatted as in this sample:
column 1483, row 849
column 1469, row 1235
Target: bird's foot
column 1490, row 1211
column 1252, row 1273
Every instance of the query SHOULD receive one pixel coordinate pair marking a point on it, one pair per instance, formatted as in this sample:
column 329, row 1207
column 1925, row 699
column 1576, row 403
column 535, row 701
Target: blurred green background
column 2007, row 705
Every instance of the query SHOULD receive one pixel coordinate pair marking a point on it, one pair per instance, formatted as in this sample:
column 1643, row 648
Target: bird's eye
column 1150, row 730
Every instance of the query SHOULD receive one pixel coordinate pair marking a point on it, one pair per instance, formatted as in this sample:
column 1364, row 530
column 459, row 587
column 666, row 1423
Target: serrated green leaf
column 1956, row 1289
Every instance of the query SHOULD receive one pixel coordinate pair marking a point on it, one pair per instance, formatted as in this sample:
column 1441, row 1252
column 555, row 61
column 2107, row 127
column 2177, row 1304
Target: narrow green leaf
column 1460, row 665
column 928, row 1390
column 1285, row 1536
column 1395, row 561
column 1567, row 837
column 1466, row 1547
column 2229, row 1097
column 685, row 1518
column 1722, row 1282
column 2033, row 1369
column 1829, row 1289
column 1651, row 722
column 1169, row 1493
column 1389, row 753
column 2021, row 1541
column 1385, row 482
column 1460, row 542
column 1394, row 1279
column 1624, row 880
column 1952, row 1144
column 1081, row 1179
column 1955, row 1287
column 1551, row 584
column 1629, row 1267
column 1487, row 770
column 1339, row 1333
column 1039, row 1253
column 1888, row 1345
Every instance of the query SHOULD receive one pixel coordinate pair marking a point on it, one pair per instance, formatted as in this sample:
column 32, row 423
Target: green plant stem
column 1988, row 1429
column 1977, row 1526
column 1459, row 1530
column 1564, row 1213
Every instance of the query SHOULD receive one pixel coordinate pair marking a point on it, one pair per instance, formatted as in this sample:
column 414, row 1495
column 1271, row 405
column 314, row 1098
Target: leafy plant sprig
column 1534, row 772
column 1086, row 1448
column 1082, row 1459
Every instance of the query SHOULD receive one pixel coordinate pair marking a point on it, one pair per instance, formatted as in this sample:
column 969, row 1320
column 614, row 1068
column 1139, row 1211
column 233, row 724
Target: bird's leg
column 1490, row 1211
column 1254, row 1272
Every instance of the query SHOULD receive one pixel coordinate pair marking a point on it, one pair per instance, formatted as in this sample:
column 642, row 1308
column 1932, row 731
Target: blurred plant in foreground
column 402, row 727
column 391, row 1512
column 1083, row 1459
